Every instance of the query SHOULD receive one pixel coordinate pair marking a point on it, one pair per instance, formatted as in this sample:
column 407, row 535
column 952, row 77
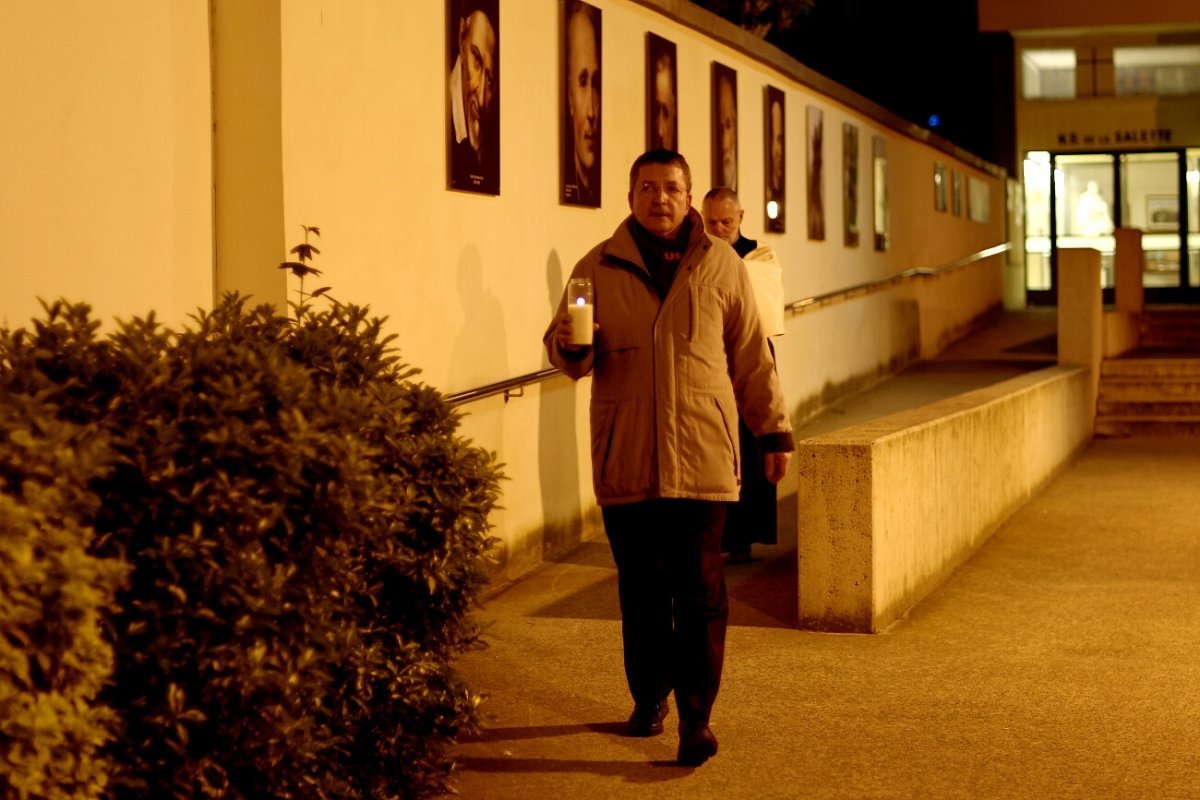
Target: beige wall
column 105, row 166
column 108, row 174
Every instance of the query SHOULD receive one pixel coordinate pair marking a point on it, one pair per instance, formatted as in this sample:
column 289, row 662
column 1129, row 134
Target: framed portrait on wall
column 939, row 186
column 956, row 192
column 816, row 179
column 724, row 126
column 979, row 200
column 473, row 95
column 849, row 185
column 1162, row 212
column 662, row 104
column 776, row 172
column 580, row 129
column 880, row 193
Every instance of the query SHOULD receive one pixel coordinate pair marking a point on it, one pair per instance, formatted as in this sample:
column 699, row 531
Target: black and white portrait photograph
column 581, row 104
column 662, row 106
column 724, row 126
column 849, row 185
column 816, row 174
column 473, row 95
column 776, row 173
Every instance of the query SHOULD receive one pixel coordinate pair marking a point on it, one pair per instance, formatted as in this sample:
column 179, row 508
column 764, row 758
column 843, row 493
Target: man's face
column 664, row 106
column 583, row 94
column 477, row 50
column 660, row 198
column 776, row 146
column 723, row 218
column 727, row 121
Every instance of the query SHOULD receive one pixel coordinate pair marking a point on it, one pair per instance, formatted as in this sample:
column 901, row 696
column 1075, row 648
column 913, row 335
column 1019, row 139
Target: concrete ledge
column 888, row 509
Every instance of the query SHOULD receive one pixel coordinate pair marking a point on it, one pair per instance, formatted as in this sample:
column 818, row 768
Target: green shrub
column 305, row 530
column 53, row 659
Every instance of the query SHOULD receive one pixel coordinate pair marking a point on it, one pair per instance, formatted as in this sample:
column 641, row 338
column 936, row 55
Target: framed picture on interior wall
column 849, row 184
column 939, row 186
column 724, row 126
column 473, row 95
column 580, row 130
column 1162, row 212
column 773, row 119
column 956, row 192
column 816, row 179
column 882, row 224
column 662, row 105
column 979, row 200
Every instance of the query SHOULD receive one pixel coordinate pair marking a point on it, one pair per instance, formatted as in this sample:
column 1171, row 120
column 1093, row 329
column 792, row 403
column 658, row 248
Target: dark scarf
column 744, row 247
column 661, row 256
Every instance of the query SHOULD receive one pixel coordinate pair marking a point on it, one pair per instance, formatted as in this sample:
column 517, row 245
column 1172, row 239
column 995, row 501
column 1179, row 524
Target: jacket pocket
column 622, row 448
column 714, row 463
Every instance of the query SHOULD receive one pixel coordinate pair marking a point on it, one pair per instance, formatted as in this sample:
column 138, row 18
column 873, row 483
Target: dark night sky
column 915, row 59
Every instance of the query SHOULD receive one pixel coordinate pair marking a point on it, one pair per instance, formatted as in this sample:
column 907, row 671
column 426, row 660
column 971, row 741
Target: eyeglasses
column 652, row 189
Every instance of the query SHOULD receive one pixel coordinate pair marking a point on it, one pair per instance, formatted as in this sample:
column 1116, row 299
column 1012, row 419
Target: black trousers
column 753, row 518
column 674, row 607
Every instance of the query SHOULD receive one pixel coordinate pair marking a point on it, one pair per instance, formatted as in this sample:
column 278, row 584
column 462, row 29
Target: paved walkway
column 1062, row 661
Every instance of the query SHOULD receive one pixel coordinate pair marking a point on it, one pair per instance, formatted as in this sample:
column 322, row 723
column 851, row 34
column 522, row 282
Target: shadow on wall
column 558, row 447
column 480, row 353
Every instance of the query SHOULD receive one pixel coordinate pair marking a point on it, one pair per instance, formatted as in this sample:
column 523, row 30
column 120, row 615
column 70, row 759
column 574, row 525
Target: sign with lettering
column 1116, row 138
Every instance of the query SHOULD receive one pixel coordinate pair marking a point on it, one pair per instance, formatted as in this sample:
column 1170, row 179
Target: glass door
column 1153, row 196
column 1079, row 199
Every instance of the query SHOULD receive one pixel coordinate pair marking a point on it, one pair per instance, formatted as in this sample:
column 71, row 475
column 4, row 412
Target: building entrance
column 1079, row 199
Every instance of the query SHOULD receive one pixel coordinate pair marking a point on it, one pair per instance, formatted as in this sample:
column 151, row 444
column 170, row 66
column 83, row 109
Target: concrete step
column 1180, row 428
column 1148, row 409
column 1150, row 368
column 1155, row 396
column 1142, row 391
column 1170, row 330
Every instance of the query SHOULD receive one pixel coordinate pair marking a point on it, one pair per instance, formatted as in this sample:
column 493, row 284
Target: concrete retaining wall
column 888, row 509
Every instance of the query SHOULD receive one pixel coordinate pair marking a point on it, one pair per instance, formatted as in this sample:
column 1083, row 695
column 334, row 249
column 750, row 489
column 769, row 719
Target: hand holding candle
column 580, row 310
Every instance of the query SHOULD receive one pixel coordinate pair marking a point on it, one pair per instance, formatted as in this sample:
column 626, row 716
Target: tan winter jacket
column 670, row 375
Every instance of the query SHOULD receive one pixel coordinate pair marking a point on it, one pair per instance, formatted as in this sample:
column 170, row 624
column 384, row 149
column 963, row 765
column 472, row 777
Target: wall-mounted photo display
column 580, row 131
column 956, row 192
column 473, row 95
column 939, row 186
column 662, row 104
column 979, row 200
column 724, row 126
column 776, row 173
column 816, row 178
column 849, row 185
column 880, row 215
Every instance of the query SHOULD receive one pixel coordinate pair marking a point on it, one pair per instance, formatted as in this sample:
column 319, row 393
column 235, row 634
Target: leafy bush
column 305, row 531
column 53, row 660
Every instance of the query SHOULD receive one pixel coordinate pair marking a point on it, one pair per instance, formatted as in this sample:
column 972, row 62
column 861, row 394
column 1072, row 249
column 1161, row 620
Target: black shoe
column 647, row 720
column 697, row 744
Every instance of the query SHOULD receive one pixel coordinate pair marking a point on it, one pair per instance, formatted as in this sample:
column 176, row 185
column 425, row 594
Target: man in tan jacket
column 678, row 349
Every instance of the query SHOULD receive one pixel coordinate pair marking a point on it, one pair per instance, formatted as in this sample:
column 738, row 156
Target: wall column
column 1080, row 321
column 248, row 150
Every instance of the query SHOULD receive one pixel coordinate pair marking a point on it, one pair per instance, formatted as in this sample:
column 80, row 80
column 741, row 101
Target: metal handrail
column 515, row 387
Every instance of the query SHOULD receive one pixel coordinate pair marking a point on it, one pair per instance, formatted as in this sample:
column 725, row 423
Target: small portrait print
column 724, row 135
column 581, row 104
column 662, row 109
column 816, row 178
column 882, row 225
column 939, row 186
column 850, row 184
column 775, row 182
column 473, row 65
